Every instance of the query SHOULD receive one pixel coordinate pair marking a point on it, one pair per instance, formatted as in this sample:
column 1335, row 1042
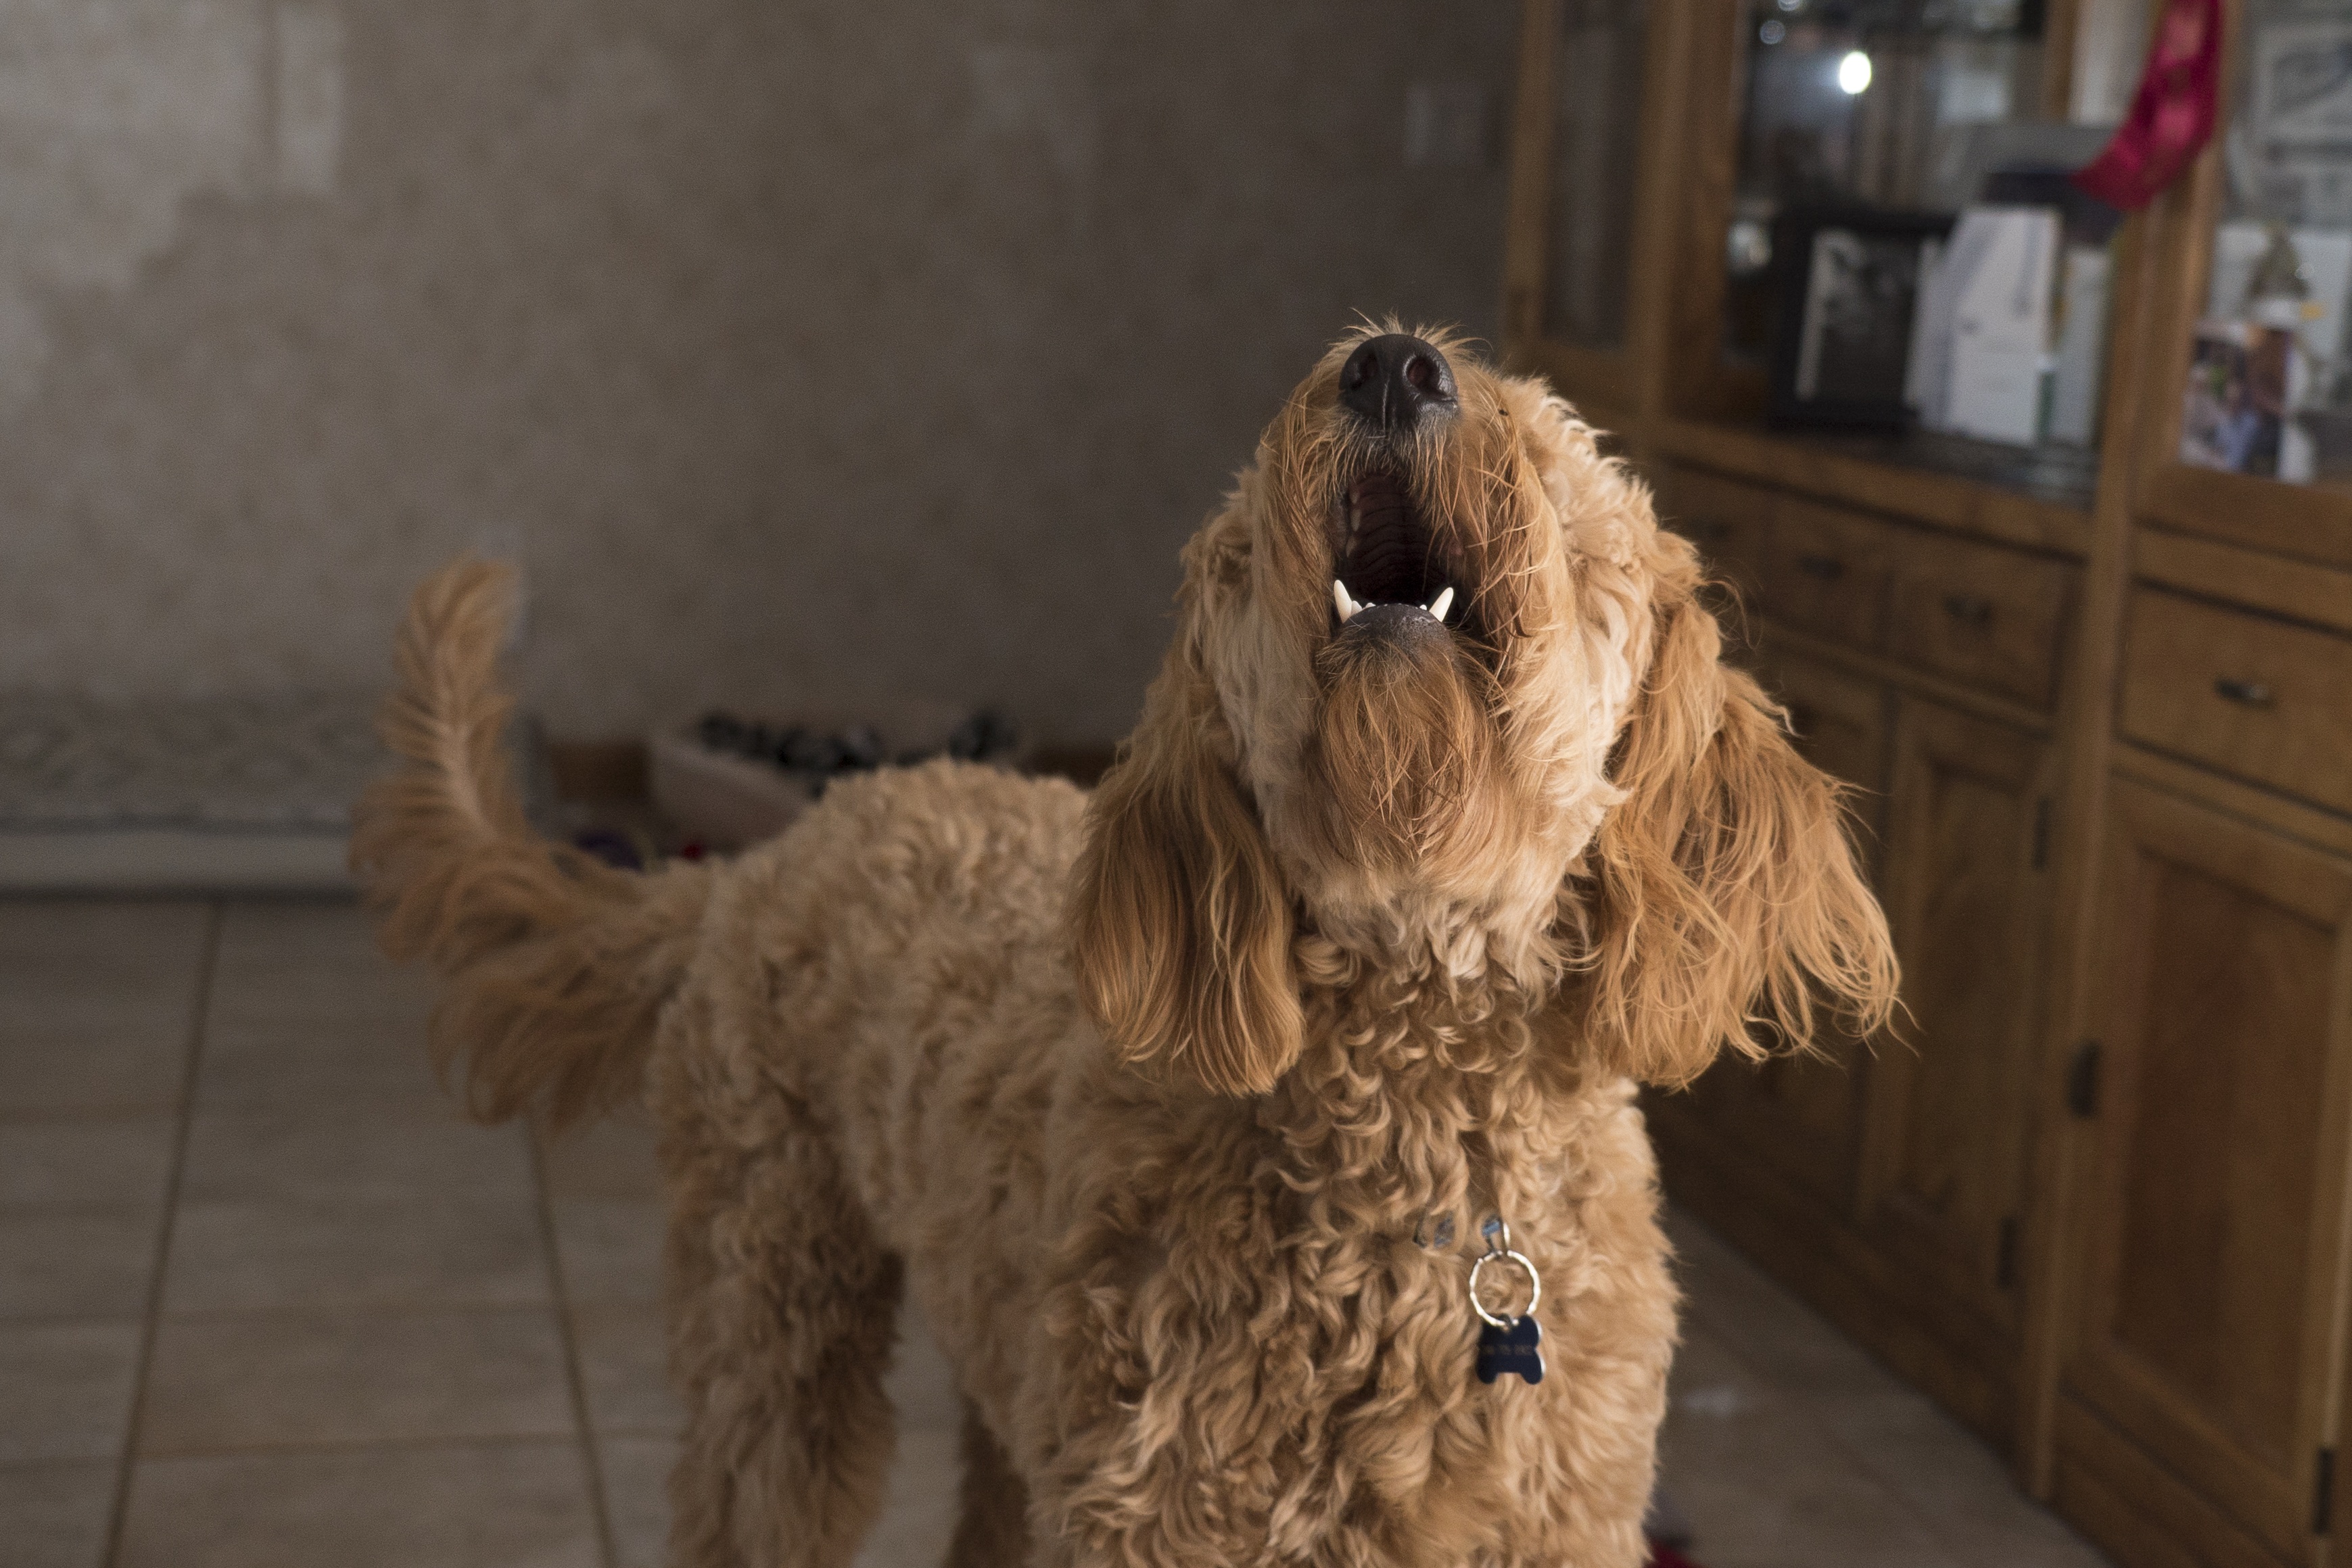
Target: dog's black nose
column 1395, row 381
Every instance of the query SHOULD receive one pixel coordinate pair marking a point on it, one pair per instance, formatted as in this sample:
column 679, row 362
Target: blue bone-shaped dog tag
column 1517, row 1349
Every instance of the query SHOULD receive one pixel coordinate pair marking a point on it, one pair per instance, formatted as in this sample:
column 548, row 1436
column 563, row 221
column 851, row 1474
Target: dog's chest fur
column 1202, row 1327
column 1138, row 1286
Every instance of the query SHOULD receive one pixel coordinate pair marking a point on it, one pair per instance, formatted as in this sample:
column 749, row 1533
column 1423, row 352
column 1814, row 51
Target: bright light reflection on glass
column 1853, row 73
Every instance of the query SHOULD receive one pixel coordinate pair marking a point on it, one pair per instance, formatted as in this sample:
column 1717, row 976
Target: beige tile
column 299, row 959
column 483, row 1505
column 624, row 1356
column 921, row 1384
column 1763, row 1484
column 611, row 1249
column 299, row 980
column 918, row 1510
column 246, row 1256
column 310, row 936
column 1779, row 1336
column 134, row 938
column 65, row 1390
column 637, row 1498
column 325, row 1064
column 119, row 1053
column 353, row 1156
column 84, row 1164
column 1785, row 1444
column 610, row 1157
column 279, row 1379
column 1759, row 1491
column 97, row 1002
column 350, row 1210
column 55, row 1516
column 306, row 1013
column 1959, row 1489
column 76, row 1264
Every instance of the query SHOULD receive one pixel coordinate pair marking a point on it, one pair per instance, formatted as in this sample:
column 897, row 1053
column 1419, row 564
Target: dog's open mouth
column 1388, row 559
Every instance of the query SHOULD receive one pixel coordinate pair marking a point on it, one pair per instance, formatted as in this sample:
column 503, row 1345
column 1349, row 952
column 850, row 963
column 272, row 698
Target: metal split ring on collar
column 1498, row 1244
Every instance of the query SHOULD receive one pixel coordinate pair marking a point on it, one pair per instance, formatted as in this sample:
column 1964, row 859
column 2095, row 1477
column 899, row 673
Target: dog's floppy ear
column 1181, row 920
column 1721, row 892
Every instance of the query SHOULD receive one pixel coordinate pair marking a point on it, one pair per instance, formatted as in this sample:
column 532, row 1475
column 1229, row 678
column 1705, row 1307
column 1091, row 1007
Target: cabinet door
column 1801, row 1115
column 1841, row 722
column 2211, row 1232
column 1945, row 1151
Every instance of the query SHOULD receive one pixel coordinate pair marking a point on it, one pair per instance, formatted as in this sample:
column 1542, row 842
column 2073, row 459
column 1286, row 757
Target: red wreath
column 2172, row 110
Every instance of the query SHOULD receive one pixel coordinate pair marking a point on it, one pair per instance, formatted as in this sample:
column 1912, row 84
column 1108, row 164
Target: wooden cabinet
column 2095, row 705
column 2211, row 1230
column 1943, row 1179
column 1843, row 725
column 1802, row 1115
column 2243, row 693
column 1726, row 519
column 1826, row 570
column 1996, row 618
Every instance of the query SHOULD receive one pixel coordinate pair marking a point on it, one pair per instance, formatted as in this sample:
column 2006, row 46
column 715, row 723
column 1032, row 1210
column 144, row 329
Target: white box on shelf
column 1999, row 269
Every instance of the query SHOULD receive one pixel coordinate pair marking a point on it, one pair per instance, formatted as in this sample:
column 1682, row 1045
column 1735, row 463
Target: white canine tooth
column 1346, row 606
column 1442, row 603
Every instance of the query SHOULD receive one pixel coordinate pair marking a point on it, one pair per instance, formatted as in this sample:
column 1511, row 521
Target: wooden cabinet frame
column 1613, row 384
column 1677, row 408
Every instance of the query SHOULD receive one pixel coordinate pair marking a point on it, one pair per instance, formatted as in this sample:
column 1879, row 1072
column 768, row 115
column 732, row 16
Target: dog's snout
column 1395, row 381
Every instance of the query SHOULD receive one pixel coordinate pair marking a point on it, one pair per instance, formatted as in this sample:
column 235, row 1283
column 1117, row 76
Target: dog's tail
column 557, row 966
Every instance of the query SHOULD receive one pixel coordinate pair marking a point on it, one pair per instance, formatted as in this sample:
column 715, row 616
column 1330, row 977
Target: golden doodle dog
column 1189, row 1111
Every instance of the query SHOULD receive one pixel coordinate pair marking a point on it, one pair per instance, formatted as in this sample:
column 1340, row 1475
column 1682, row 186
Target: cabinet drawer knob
column 2247, row 694
column 1828, row 567
column 1967, row 609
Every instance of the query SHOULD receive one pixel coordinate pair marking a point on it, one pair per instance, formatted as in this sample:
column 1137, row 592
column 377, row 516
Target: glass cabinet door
column 1596, row 121
column 1889, row 105
column 1580, row 155
column 2269, row 388
column 1900, row 254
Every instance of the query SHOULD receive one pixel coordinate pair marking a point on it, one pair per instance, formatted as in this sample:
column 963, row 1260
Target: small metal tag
column 1514, row 1344
column 1516, row 1350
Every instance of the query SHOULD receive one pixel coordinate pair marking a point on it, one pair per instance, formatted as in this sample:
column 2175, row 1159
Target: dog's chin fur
column 1146, row 1097
column 1402, row 764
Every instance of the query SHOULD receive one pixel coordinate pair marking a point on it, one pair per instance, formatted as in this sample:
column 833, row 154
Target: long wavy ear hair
column 1180, row 919
column 1721, row 897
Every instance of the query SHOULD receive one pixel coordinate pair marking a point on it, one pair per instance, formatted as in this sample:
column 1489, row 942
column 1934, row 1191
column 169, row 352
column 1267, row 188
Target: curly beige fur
column 1153, row 1100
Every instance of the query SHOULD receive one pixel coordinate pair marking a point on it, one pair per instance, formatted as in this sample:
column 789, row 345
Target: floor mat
column 233, row 794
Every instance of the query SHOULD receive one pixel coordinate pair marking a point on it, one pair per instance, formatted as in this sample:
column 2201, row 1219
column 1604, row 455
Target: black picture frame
column 1846, row 291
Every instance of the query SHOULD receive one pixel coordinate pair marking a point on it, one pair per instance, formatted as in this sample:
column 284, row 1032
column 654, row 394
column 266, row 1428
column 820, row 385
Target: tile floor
column 264, row 1300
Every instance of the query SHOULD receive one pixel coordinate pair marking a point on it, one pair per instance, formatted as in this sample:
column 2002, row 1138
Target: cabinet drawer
column 1826, row 571
column 1723, row 518
column 2257, row 698
column 1989, row 616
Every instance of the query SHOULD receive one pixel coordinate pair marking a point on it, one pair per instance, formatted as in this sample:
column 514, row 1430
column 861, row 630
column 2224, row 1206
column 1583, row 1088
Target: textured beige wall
column 799, row 351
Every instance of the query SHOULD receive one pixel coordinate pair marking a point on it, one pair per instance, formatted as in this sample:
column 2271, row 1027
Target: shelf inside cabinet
column 2039, row 497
